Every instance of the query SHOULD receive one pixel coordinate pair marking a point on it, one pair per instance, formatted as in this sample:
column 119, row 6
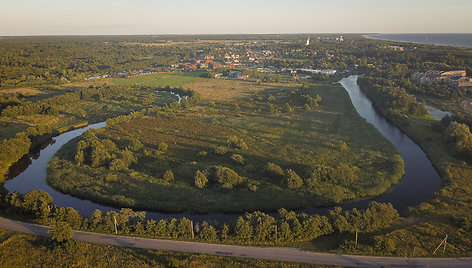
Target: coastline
column 400, row 38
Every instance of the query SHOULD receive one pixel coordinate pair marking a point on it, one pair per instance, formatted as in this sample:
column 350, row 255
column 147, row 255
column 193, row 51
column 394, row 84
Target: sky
column 136, row 17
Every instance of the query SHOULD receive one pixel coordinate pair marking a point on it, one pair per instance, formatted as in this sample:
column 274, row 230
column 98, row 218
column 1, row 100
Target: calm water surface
column 456, row 40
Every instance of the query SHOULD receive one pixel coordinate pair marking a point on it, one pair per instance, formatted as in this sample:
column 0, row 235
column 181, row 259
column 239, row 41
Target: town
column 236, row 60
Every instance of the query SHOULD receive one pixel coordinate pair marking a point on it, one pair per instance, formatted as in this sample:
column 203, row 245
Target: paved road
column 270, row 253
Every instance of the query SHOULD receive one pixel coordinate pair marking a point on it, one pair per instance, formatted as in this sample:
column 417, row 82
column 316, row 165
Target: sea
column 456, row 40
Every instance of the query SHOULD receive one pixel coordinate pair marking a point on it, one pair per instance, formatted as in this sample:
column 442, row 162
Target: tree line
column 254, row 227
column 394, row 100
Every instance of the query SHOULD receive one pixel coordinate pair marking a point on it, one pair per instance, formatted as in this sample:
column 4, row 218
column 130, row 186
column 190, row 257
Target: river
column 436, row 113
column 417, row 185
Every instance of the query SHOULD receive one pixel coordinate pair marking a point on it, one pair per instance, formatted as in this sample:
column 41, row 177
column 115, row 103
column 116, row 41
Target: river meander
column 419, row 182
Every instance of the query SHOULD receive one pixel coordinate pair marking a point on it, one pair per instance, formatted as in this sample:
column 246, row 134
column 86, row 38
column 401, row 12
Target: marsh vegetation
column 250, row 147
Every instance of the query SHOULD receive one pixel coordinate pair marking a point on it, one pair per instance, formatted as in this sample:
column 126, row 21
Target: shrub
column 274, row 170
column 168, row 176
column 208, row 232
column 460, row 135
column 162, row 147
column 200, row 179
column 343, row 174
column 227, row 177
column 99, row 156
column 202, row 153
column 111, row 177
column 237, row 158
column 252, row 187
column 288, row 108
column 312, row 102
column 118, row 164
column 342, row 146
column 126, row 103
column 128, row 157
column 293, row 180
column 238, row 143
column 221, row 150
column 61, row 232
column 135, row 145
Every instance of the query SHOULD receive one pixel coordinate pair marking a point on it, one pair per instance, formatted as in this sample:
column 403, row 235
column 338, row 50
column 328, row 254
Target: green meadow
column 161, row 79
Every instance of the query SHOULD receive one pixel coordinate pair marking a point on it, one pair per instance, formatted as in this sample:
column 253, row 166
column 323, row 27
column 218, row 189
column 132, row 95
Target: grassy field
column 24, row 91
column 161, row 79
column 73, row 113
column 20, row 250
column 302, row 140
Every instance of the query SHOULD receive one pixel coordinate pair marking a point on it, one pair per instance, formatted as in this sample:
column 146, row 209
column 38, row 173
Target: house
column 235, row 74
column 317, row 71
column 395, row 48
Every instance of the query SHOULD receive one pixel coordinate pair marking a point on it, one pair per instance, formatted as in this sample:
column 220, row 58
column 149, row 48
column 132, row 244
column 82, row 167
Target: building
column 317, row 71
column 235, row 74
column 396, row 48
column 455, row 79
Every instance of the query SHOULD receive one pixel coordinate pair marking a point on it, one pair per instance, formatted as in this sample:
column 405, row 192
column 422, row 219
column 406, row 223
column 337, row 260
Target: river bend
column 419, row 182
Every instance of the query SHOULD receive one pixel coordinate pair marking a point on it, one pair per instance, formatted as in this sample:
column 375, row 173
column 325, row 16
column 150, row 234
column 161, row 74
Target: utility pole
column 445, row 242
column 193, row 234
column 114, row 219
column 276, row 233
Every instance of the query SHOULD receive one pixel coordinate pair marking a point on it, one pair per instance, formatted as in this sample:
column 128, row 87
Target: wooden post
column 356, row 237
column 193, row 234
column 114, row 219
column 276, row 233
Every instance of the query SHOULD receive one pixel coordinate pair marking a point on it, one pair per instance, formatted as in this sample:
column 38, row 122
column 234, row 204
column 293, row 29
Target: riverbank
column 448, row 210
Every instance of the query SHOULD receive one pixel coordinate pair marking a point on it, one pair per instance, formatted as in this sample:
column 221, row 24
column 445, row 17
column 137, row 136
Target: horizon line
column 216, row 34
